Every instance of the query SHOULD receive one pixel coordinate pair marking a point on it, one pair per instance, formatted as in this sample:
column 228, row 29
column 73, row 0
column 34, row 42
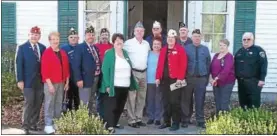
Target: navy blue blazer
column 84, row 65
column 70, row 54
column 27, row 66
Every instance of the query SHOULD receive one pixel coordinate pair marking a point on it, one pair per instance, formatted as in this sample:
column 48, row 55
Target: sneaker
column 140, row 123
column 111, row 130
column 118, row 126
column 157, row 123
column 49, row 130
column 150, row 121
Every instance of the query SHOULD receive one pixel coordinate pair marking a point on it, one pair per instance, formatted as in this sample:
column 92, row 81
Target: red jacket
column 177, row 63
column 51, row 66
column 103, row 48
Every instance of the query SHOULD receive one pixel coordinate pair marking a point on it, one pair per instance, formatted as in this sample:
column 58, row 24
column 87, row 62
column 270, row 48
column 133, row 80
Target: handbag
column 65, row 102
column 175, row 86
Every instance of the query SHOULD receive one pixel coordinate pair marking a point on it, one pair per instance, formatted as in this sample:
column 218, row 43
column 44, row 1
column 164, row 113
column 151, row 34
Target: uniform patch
column 262, row 54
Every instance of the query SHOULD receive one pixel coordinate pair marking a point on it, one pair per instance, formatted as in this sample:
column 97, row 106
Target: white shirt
column 138, row 52
column 32, row 45
column 122, row 72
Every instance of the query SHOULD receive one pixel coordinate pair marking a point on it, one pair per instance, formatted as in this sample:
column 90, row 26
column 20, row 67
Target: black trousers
column 114, row 106
column 171, row 103
column 73, row 95
column 249, row 93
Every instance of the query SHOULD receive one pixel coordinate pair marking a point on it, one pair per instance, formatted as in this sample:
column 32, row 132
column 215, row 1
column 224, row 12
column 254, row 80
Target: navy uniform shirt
column 69, row 49
column 187, row 42
column 251, row 63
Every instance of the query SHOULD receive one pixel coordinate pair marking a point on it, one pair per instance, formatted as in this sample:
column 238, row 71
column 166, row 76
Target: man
column 72, row 93
column 28, row 56
column 87, row 69
column 250, row 71
column 183, row 31
column 197, row 79
column 137, row 49
column 156, row 31
column 103, row 46
column 184, row 40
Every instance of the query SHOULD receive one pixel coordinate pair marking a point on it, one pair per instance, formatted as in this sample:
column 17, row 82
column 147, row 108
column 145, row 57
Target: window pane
column 220, row 6
column 215, row 42
column 219, row 23
column 207, row 23
column 98, row 5
column 208, row 6
column 207, row 38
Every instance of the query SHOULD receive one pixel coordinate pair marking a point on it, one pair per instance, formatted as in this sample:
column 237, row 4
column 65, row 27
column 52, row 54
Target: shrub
column 79, row 122
column 9, row 88
column 238, row 121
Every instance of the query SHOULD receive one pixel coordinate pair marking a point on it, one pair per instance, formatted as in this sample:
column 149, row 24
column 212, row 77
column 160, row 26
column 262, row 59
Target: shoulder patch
column 262, row 54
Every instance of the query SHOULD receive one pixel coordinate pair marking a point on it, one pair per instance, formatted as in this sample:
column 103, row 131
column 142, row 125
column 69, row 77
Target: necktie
column 36, row 52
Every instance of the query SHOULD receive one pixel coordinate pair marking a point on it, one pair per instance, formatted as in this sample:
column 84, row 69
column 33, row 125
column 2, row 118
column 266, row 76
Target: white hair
column 250, row 34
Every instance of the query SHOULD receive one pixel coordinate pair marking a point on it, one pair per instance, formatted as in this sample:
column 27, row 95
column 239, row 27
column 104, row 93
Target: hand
column 20, row 85
column 261, row 83
column 179, row 82
column 214, row 83
column 108, row 90
column 51, row 89
column 80, row 84
column 66, row 87
column 157, row 82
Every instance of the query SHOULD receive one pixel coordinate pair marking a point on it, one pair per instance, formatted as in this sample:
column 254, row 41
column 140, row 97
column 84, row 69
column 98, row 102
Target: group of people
column 137, row 73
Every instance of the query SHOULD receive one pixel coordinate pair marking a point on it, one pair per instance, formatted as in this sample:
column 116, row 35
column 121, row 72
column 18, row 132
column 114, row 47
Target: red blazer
column 51, row 66
column 177, row 63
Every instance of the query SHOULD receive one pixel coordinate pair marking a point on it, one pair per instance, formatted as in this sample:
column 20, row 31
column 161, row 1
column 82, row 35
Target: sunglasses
column 246, row 39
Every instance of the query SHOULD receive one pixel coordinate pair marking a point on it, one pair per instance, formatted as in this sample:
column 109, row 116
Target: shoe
column 134, row 125
column 49, row 130
column 174, row 127
column 164, row 126
column 150, row 121
column 202, row 125
column 184, row 125
column 34, row 128
column 118, row 126
column 26, row 131
column 111, row 130
column 157, row 122
column 140, row 123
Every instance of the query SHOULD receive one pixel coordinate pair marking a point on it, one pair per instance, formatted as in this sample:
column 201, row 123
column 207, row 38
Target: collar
column 33, row 44
column 135, row 39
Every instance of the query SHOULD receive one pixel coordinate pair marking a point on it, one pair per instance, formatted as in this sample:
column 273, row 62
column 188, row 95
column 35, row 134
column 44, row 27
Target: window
column 97, row 14
column 214, row 16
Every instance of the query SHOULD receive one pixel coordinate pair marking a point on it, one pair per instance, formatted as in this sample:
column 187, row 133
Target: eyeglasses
column 71, row 37
column 246, row 39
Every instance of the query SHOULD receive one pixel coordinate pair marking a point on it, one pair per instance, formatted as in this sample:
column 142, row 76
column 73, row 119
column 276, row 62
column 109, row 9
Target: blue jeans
column 99, row 104
column 154, row 108
column 222, row 96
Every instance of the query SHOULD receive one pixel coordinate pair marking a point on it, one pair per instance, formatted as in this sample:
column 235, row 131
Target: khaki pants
column 136, row 99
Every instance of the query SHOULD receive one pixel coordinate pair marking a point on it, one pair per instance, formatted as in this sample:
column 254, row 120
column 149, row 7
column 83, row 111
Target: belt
column 141, row 71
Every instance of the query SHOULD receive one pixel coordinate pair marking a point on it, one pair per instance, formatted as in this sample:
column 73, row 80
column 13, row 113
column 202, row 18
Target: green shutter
column 8, row 23
column 245, row 21
column 67, row 17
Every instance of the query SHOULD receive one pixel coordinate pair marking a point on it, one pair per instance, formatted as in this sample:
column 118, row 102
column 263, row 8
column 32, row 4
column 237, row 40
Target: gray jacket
column 203, row 57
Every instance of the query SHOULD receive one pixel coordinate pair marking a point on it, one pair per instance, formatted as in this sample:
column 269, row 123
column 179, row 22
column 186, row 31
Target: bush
column 9, row 88
column 252, row 121
column 79, row 122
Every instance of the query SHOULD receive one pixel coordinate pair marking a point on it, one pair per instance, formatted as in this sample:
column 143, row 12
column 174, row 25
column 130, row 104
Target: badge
column 262, row 54
column 250, row 53
column 174, row 52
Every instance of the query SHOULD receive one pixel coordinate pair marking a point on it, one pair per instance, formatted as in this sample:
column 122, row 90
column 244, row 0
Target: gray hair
column 250, row 34
column 225, row 41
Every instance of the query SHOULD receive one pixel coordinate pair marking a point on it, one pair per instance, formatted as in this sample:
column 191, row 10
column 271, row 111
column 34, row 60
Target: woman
column 172, row 65
column 55, row 76
column 154, row 107
column 223, row 76
column 117, row 81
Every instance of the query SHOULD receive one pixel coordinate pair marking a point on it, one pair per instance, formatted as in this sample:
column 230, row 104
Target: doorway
column 168, row 13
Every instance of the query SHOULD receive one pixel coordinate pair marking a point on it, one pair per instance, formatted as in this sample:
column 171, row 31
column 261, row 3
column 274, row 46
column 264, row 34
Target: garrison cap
column 35, row 30
column 181, row 24
column 197, row 31
column 72, row 31
column 104, row 30
column 139, row 25
column 90, row 29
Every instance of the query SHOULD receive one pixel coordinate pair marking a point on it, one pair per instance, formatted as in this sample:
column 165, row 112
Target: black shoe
column 35, row 128
column 157, row 122
column 150, row 121
column 163, row 126
column 27, row 132
column 140, row 123
column 174, row 127
column 134, row 125
column 184, row 125
column 202, row 125
column 118, row 126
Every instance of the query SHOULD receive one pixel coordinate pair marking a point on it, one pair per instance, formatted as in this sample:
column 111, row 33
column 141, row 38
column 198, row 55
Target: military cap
column 181, row 24
column 197, row 31
column 139, row 25
column 35, row 30
column 104, row 30
column 90, row 29
column 172, row 33
column 72, row 31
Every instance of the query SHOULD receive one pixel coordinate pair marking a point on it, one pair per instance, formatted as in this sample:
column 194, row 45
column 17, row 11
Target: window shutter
column 67, row 17
column 245, row 21
column 8, row 23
